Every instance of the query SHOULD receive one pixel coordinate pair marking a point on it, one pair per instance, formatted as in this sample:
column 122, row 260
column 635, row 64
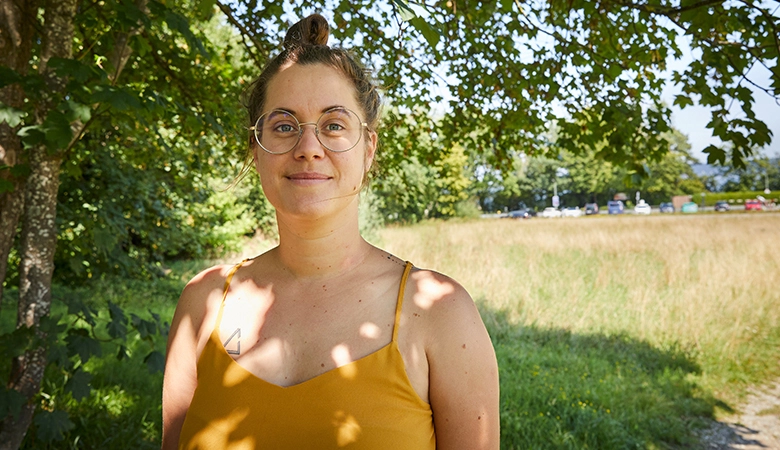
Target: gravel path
column 756, row 427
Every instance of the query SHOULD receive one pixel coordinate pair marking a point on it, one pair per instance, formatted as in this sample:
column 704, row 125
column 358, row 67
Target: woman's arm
column 463, row 373
column 185, row 342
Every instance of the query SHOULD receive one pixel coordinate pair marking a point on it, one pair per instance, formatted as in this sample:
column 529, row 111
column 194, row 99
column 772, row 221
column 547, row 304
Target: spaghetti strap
column 399, row 303
column 228, row 279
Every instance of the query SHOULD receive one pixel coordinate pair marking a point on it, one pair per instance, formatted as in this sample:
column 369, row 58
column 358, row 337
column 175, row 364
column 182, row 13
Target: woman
column 325, row 341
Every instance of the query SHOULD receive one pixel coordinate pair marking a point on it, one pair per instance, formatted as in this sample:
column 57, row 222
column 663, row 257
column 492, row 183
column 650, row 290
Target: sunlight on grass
column 704, row 284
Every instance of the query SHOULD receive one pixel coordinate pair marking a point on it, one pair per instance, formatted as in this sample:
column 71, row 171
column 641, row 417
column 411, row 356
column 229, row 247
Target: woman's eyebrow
column 294, row 113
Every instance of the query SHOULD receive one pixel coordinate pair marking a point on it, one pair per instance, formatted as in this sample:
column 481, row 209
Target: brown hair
column 306, row 43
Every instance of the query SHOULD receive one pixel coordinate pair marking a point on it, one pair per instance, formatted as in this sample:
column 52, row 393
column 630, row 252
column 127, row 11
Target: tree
column 759, row 173
column 515, row 61
column 66, row 103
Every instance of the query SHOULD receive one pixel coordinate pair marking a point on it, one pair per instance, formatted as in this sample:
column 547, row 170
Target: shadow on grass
column 563, row 390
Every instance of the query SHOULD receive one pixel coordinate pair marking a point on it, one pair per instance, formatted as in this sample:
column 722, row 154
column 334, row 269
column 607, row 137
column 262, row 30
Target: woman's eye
column 284, row 128
column 334, row 127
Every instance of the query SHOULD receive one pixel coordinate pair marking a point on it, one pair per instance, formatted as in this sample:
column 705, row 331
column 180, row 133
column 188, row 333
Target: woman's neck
column 321, row 248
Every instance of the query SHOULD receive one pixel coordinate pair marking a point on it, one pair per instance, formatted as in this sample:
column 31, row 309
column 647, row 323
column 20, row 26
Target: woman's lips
column 308, row 177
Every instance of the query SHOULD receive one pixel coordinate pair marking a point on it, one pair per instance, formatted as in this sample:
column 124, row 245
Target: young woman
column 325, row 341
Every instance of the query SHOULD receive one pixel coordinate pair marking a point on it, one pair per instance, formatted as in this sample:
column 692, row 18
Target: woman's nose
column 309, row 146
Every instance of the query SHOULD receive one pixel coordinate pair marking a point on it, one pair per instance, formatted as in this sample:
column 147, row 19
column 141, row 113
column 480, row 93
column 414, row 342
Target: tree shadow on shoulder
column 561, row 389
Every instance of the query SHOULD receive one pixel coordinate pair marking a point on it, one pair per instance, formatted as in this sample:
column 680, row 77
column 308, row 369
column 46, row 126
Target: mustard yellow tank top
column 367, row 404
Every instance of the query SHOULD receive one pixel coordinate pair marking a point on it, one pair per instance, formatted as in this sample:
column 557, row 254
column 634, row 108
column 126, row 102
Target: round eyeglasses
column 338, row 130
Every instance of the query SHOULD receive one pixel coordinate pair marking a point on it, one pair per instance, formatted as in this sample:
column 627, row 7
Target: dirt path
column 757, row 427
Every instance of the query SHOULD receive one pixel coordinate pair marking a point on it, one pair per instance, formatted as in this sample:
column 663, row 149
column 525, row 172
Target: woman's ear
column 370, row 150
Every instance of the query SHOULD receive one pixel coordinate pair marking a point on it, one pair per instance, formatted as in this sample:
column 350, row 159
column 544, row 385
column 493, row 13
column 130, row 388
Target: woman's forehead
column 310, row 88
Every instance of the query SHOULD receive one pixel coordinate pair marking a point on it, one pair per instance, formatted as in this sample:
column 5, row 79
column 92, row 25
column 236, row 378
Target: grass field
column 611, row 332
column 616, row 332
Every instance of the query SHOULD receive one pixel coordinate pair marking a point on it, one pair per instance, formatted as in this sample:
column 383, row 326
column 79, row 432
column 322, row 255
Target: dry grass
column 709, row 283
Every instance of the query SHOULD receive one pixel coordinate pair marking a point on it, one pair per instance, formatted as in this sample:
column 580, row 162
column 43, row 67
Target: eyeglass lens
column 278, row 131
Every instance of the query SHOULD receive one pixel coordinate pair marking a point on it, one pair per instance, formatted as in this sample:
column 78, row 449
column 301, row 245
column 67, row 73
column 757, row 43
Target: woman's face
column 311, row 181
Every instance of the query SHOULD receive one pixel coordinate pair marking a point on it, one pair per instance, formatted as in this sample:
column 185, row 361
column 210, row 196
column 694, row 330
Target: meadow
column 616, row 332
column 611, row 332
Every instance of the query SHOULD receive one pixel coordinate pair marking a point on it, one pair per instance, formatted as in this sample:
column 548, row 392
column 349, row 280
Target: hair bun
column 313, row 30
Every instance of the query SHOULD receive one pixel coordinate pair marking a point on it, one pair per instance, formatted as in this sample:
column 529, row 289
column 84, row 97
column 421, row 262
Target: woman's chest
column 288, row 339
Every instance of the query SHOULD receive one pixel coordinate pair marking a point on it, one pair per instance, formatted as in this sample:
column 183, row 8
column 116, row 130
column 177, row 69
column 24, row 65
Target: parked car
column 642, row 208
column 666, row 208
column 615, row 207
column 519, row 214
column 722, row 205
column 571, row 211
column 550, row 212
column 591, row 208
column 753, row 205
column 689, row 207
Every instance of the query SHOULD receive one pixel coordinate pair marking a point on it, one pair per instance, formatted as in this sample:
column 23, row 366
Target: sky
column 692, row 120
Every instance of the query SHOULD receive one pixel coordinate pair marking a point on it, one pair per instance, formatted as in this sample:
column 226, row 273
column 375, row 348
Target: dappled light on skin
column 369, row 330
column 343, row 358
column 429, row 284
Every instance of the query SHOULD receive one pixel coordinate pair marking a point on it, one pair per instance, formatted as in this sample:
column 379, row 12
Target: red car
column 752, row 205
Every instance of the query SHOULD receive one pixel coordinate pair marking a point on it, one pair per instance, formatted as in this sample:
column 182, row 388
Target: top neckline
column 393, row 344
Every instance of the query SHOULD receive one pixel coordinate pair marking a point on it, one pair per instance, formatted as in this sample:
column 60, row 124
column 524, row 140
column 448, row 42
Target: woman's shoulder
column 204, row 289
column 433, row 290
column 444, row 303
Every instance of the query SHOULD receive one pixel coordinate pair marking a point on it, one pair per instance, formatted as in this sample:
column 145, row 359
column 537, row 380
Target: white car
column 550, row 212
column 642, row 208
column 571, row 211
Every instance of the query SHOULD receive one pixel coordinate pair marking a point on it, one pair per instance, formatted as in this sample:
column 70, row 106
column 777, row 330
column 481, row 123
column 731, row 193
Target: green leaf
column 179, row 23
column 406, row 12
column 52, row 425
column 70, row 68
column 8, row 76
column 79, row 342
column 78, row 385
column 122, row 353
column 117, row 328
column 76, row 111
column 155, row 362
column 11, row 402
column 76, row 306
column 715, row 155
column 21, row 170
column 119, row 99
column 15, row 343
column 57, row 130
column 32, row 135
column 682, row 101
column 6, row 186
column 431, row 35
column 11, row 116
column 204, row 9
column 145, row 328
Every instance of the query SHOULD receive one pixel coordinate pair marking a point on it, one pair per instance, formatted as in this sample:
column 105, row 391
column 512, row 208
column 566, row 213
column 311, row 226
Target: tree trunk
column 17, row 28
column 39, row 229
column 39, row 240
